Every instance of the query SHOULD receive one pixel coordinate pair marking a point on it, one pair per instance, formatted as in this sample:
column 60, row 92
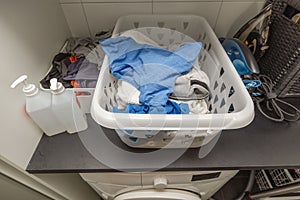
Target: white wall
column 31, row 32
column 13, row 172
column 86, row 17
column 55, row 186
column 10, row 189
column 72, row 186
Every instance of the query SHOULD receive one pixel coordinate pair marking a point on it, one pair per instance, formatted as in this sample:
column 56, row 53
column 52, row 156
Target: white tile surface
column 103, row 16
column 76, row 19
column 208, row 10
column 234, row 15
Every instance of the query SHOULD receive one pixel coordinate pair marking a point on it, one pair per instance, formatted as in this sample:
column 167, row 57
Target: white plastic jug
column 66, row 108
column 39, row 107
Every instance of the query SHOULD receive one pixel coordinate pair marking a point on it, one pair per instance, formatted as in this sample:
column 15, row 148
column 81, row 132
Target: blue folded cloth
column 152, row 70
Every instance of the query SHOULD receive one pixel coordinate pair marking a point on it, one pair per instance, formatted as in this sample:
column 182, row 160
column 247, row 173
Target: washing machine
column 167, row 194
column 186, row 185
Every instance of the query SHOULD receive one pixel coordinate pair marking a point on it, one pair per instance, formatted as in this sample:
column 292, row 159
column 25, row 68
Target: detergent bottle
column 66, row 108
column 39, row 107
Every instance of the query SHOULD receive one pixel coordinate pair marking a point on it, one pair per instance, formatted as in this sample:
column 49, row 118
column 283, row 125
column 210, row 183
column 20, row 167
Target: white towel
column 183, row 85
column 127, row 94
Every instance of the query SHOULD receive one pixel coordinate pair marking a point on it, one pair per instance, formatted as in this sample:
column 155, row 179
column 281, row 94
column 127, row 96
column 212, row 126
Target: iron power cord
column 282, row 109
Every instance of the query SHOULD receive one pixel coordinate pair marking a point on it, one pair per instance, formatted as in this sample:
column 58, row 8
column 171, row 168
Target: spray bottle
column 39, row 107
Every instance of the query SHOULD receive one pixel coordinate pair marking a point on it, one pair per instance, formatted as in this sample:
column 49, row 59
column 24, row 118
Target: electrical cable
column 283, row 110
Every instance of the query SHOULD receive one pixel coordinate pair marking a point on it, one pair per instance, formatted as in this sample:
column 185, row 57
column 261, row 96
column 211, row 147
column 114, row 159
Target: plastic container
column 230, row 105
column 39, row 108
column 66, row 108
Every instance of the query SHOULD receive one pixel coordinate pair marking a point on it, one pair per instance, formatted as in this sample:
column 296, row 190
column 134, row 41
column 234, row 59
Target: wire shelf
column 262, row 180
column 268, row 179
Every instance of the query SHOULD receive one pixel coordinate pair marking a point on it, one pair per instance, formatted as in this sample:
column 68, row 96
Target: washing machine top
column 152, row 194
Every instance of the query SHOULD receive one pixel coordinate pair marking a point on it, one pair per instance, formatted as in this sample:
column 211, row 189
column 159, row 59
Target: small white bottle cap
column 56, row 87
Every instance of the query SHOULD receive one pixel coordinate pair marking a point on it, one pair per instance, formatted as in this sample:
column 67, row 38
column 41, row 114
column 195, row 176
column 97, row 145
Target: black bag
column 281, row 62
column 277, row 44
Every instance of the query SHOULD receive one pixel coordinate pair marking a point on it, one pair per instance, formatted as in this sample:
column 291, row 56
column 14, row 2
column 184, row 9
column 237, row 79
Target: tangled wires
column 269, row 105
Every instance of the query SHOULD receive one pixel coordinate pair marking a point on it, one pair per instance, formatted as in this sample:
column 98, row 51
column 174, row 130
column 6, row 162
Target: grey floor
column 232, row 189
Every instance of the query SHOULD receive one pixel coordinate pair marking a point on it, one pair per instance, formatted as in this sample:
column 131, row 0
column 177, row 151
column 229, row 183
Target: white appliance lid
column 152, row 194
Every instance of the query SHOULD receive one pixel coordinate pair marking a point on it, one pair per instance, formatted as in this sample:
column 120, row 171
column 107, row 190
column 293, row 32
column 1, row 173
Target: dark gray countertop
column 262, row 144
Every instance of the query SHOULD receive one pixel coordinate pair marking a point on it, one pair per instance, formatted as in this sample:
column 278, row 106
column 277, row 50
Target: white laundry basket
column 230, row 105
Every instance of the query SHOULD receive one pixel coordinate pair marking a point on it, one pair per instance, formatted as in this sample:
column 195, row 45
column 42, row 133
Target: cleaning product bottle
column 66, row 108
column 38, row 107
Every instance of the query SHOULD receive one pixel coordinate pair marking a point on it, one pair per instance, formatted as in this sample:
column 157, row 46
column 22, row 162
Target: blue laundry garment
column 152, row 70
column 171, row 107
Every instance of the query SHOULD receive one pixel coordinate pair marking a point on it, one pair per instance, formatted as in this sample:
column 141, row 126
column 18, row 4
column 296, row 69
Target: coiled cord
column 283, row 110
